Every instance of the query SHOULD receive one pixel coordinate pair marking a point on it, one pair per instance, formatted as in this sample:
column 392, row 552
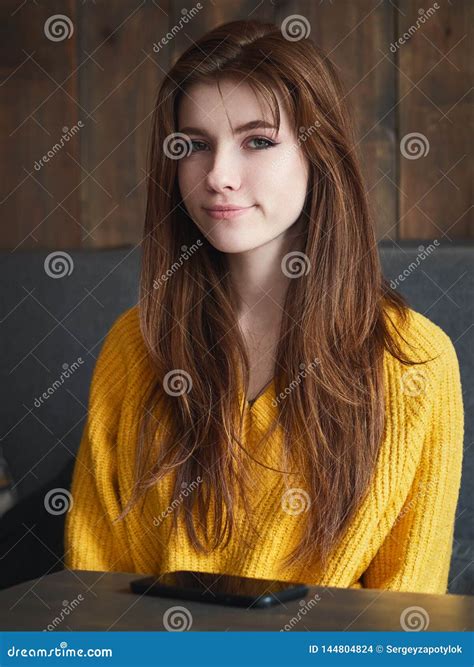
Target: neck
column 258, row 277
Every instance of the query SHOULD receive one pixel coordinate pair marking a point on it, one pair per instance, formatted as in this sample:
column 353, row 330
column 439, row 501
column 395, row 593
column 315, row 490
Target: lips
column 226, row 212
column 227, row 208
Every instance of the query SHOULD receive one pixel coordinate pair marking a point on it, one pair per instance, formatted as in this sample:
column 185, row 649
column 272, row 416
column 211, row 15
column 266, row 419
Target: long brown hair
column 338, row 312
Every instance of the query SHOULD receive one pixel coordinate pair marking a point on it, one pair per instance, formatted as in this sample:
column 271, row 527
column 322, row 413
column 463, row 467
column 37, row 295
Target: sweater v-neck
column 263, row 391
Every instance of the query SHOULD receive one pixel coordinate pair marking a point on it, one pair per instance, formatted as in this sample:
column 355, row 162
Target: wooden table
column 86, row 600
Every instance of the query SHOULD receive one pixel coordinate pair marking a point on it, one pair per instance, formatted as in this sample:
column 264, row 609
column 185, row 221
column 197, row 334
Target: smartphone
column 222, row 589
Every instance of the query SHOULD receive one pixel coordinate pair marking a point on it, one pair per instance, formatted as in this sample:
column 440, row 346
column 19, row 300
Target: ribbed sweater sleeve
column 417, row 552
column 92, row 542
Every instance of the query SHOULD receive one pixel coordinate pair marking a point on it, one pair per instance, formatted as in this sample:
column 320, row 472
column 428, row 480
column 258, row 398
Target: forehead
column 236, row 104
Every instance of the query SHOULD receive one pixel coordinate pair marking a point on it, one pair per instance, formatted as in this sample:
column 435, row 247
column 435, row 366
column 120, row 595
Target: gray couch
column 49, row 322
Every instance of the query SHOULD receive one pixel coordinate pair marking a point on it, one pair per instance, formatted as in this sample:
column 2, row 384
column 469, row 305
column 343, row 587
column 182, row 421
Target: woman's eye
column 197, row 146
column 194, row 142
column 267, row 143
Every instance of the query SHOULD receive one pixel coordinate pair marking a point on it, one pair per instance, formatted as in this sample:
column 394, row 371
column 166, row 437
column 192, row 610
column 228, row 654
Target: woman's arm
column 92, row 542
column 416, row 555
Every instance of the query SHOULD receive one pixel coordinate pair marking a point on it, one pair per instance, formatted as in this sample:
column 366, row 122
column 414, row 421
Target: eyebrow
column 251, row 125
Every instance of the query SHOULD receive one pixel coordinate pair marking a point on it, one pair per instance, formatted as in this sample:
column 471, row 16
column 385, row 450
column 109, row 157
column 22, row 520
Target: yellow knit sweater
column 400, row 539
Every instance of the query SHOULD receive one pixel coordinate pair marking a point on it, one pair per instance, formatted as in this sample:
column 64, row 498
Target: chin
column 232, row 246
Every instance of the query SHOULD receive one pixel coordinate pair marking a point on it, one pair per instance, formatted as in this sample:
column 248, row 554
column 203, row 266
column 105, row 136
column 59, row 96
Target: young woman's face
column 228, row 167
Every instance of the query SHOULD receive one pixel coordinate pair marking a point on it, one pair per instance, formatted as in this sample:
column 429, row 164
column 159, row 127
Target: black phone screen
column 220, row 588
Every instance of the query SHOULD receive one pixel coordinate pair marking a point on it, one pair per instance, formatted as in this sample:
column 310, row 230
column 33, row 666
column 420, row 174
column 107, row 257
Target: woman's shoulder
column 126, row 324
column 418, row 336
column 123, row 343
column 119, row 365
column 437, row 369
column 124, row 333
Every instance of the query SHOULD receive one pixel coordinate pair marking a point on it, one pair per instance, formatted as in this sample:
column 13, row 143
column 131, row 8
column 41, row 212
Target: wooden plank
column 215, row 13
column 353, row 36
column 91, row 191
column 40, row 108
column 435, row 69
column 118, row 85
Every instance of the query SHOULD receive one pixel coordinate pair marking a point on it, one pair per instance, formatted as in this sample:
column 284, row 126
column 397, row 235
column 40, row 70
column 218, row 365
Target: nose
column 224, row 170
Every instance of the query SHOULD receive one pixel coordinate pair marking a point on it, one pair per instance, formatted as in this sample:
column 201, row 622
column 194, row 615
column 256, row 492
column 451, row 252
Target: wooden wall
column 103, row 78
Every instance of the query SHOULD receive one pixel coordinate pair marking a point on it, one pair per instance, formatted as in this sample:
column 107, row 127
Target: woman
column 271, row 407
